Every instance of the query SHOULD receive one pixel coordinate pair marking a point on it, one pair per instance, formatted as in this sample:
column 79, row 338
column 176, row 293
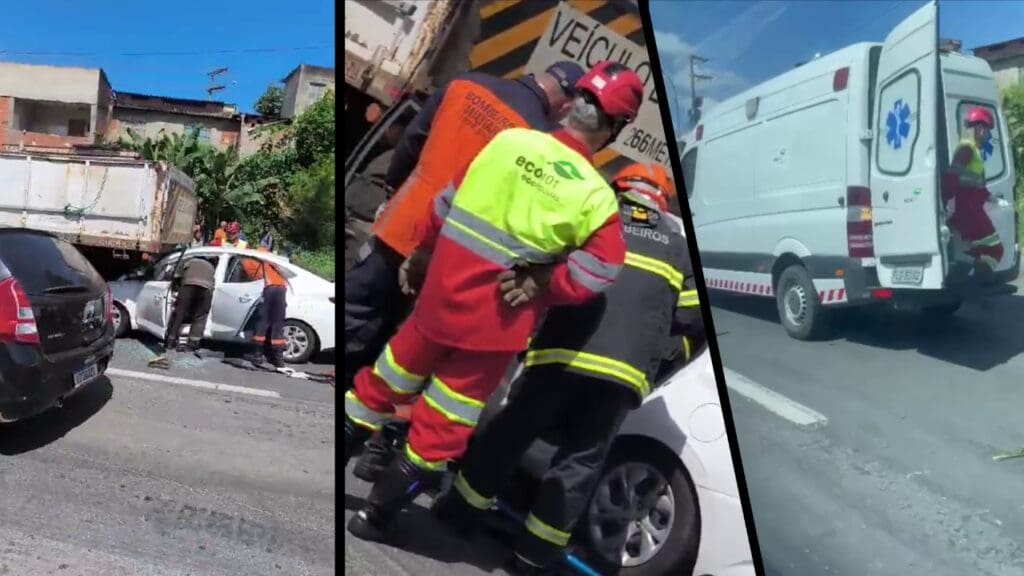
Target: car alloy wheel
column 297, row 342
column 631, row 514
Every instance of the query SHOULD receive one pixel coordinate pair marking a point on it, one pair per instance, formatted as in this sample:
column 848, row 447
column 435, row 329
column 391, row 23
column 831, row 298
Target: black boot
column 452, row 510
column 398, row 486
column 380, row 450
column 355, row 437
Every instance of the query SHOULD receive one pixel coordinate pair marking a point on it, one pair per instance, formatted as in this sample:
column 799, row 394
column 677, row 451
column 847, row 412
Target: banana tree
column 223, row 189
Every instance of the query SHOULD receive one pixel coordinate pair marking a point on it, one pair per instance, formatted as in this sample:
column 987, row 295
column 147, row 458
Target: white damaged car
column 143, row 301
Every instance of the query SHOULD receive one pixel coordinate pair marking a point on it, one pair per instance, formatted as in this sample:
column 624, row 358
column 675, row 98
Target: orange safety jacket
column 258, row 270
column 454, row 125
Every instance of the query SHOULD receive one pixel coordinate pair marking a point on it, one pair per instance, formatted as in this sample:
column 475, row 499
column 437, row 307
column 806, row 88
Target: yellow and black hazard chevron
column 511, row 29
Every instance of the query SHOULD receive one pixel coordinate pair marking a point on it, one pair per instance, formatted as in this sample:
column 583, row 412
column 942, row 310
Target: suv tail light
column 860, row 234
column 108, row 305
column 17, row 322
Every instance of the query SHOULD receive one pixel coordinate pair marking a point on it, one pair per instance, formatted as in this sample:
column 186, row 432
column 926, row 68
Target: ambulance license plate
column 912, row 275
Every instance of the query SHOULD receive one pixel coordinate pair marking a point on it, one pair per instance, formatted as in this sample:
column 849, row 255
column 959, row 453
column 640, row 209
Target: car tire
column 297, row 329
column 677, row 553
column 122, row 322
column 800, row 309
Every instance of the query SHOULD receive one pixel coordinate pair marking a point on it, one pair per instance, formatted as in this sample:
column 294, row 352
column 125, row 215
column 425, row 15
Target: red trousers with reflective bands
column 448, row 388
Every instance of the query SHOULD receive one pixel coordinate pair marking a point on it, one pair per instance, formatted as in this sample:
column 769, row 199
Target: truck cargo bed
column 110, row 202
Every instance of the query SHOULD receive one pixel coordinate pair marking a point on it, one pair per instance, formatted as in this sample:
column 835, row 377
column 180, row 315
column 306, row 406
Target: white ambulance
column 821, row 187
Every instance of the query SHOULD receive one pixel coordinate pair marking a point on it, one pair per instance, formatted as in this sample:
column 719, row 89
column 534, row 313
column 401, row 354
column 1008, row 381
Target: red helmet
column 980, row 115
column 617, row 89
column 648, row 180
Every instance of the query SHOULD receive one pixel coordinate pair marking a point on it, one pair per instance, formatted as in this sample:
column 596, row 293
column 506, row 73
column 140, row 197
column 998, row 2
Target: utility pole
column 695, row 102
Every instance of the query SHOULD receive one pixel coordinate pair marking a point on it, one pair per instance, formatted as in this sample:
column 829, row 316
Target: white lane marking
column 774, row 402
column 192, row 383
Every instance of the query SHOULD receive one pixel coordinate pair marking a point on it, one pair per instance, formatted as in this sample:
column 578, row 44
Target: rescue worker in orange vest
column 232, row 232
column 586, row 369
column 453, row 126
column 530, row 199
column 268, row 336
column 220, row 234
column 965, row 195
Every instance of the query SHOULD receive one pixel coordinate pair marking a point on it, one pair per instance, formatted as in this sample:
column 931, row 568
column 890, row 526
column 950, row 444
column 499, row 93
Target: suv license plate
column 86, row 374
column 908, row 275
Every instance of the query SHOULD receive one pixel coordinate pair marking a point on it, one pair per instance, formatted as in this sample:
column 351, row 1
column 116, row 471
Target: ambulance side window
column 689, row 170
column 898, row 123
column 992, row 151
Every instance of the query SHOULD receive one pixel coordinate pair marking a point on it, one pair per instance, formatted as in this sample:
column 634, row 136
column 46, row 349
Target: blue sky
column 122, row 37
column 749, row 42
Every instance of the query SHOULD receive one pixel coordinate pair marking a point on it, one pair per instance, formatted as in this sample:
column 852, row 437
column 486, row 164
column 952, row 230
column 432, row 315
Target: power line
column 176, row 53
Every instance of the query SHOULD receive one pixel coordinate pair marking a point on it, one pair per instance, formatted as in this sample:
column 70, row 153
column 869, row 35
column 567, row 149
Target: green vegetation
column 286, row 188
column 1013, row 108
column 269, row 104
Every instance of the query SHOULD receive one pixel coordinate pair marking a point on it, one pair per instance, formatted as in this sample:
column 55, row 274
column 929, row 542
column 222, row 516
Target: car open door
column 234, row 299
column 153, row 306
column 905, row 199
column 402, row 111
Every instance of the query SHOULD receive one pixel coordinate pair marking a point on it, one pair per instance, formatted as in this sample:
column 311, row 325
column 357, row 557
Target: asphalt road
column 138, row 476
column 429, row 551
column 871, row 453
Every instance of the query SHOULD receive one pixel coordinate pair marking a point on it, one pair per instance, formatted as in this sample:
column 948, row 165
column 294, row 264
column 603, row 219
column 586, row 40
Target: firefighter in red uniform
column 453, row 126
column 468, row 111
column 531, row 223
column 965, row 195
column 233, row 237
column 586, row 369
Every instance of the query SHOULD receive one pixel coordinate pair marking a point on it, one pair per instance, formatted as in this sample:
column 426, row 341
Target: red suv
column 56, row 328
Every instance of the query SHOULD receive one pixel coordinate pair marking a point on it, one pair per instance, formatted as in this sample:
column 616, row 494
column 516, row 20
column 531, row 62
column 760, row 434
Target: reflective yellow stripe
column 471, row 496
column 591, row 363
column 654, row 266
column 546, row 532
column 688, row 299
column 422, row 462
column 990, row 240
column 456, row 407
column 397, row 378
column 686, row 348
column 992, row 262
column 357, row 412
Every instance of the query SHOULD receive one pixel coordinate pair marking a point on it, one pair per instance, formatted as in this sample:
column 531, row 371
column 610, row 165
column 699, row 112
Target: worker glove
column 413, row 271
column 523, row 284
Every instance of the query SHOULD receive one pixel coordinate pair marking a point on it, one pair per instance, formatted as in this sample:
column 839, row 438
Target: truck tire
column 800, row 309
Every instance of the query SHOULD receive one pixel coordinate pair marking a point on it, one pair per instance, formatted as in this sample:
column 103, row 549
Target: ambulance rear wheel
column 800, row 309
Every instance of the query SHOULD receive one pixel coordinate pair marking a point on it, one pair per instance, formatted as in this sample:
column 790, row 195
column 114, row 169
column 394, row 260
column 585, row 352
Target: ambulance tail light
column 859, row 226
column 840, row 79
column 881, row 294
